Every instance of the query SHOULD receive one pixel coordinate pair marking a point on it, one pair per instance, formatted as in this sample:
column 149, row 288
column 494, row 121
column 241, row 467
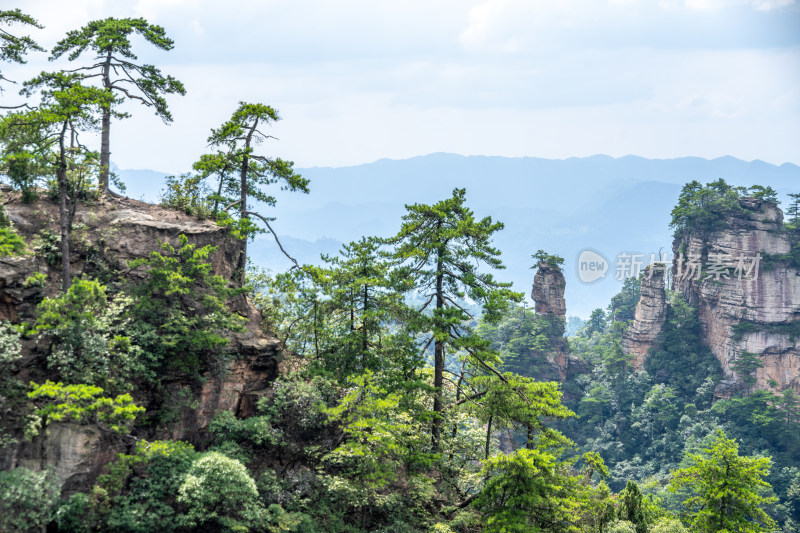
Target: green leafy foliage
column 623, row 304
column 726, row 489
column 144, row 486
column 381, row 436
column 523, row 340
column 187, row 193
column 679, row 358
column 83, row 403
column 632, row 508
column 28, row 499
column 705, row 208
column 11, row 243
column 553, row 261
column 745, row 367
column 526, row 491
column 182, row 307
column 219, row 490
column 80, row 326
column 13, row 48
column 668, row 525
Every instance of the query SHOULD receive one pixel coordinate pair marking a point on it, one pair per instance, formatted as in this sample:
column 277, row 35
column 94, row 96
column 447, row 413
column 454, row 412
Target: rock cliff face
column 651, row 311
column 743, row 305
column 109, row 234
column 548, row 296
column 548, row 291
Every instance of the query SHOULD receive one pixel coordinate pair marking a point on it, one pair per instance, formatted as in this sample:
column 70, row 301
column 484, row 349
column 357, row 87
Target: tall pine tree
column 441, row 248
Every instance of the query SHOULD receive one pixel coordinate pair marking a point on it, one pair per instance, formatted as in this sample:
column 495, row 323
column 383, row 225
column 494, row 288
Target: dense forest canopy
column 416, row 394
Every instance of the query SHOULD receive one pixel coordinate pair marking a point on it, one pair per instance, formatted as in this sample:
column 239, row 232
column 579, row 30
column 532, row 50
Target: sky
column 360, row 80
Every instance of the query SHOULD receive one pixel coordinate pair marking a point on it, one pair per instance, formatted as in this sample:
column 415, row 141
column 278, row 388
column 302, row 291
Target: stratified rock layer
column 649, row 317
column 548, row 297
column 767, row 299
column 548, row 291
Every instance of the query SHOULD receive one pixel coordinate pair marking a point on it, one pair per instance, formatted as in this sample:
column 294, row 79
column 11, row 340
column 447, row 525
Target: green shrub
column 182, row 307
column 27, row 500
column 83, row 403
column 668, row 525
column 187, row 193
column 11, row 243
column 144, row 487
column 47, row 244
column 83, row 328
column 622, row 526
column 219, row 490
column 37, row 279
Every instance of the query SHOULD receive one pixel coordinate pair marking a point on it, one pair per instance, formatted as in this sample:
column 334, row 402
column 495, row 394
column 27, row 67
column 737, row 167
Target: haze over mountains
column 610, row 205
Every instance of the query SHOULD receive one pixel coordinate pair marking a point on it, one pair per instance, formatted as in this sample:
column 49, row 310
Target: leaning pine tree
column 246, row 173
column 440, row 248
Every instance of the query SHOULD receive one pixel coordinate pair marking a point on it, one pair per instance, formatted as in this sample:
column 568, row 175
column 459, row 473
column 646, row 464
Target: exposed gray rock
column 649, row 317
column 770, row 298
column 548, row 291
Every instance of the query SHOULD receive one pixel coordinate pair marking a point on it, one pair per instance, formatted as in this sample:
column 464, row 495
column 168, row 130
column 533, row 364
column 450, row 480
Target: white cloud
column 363, row 79
column 153, row 9
column 768, row 5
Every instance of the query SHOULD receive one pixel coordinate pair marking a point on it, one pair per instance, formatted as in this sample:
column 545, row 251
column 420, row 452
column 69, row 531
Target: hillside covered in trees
column 154, row 380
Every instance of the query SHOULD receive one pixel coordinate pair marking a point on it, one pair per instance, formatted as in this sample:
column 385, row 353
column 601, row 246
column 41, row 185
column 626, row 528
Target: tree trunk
column 316, row 341
column 105, row 135
column 219, row 195
column 243, row 199
column 488, row 437
column 365, row 338
column 241, row 267
column 458, row 397
column 63, row 213
column 438, row 360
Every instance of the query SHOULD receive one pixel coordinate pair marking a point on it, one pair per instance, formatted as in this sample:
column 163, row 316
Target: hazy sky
column 358, row 80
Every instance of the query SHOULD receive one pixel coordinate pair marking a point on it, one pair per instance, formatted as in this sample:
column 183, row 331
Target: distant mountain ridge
column 563, row 206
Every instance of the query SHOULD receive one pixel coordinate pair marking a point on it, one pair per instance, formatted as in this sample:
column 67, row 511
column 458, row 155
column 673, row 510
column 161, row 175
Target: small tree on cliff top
column 236, row 140
column 115, row 65
column 68, row 107
column 553, row 261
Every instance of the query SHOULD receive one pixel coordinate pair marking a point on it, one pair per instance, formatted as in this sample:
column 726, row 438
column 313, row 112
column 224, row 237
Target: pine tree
column 236, row 140
column 745, row 367
column 727, row 489
column 440, row 247
column 115, row 65
column 14, row 47
column 363, row 313
column 67, row 108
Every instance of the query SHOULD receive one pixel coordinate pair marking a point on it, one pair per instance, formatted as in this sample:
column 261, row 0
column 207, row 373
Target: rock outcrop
column 76, row 453
column 744, row 303
column 649, row 317
column 548, row 297
column 109, row 234
column 14, row 292
column 548, row 290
